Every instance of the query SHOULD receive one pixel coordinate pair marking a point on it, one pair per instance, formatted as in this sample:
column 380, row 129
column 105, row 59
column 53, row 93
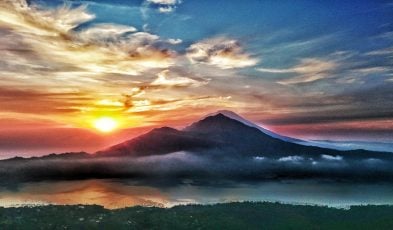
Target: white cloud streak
column 164, row 6
column 220, row 52
column 166, row 78
column 332, row 158
column 308, row 70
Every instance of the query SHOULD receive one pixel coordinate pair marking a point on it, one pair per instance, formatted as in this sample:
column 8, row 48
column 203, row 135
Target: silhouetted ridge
column 158, row 141
column 165, row 129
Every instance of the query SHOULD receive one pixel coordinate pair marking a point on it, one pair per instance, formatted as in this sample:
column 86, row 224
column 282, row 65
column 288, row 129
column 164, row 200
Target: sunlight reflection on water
column 125, row 193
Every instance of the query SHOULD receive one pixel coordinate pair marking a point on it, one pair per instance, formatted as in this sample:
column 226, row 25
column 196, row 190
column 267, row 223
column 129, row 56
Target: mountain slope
column 158, row 141
column 235, row 116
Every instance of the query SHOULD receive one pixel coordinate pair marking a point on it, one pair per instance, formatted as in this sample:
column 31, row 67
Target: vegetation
column 220, row 216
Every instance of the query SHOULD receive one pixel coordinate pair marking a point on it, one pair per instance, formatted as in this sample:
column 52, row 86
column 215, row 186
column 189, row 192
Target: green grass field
column 220, row 216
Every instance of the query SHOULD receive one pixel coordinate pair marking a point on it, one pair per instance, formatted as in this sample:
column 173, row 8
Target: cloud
column 49, row 35
column 291, row 159
column 220, row 52
column 183, row 104
column 56, row 51
column 371, row 105
column 174, row 41
column 268, row 70
column 36, row 102
column 45, row 139
column 166, row 9
column 332, row 158
column 371, row 70
column 50, row 47
column 314, row 66
column 164, row 6
column 104, row 32
column 164, row 2
column 387, row 35
column 386, row 51
column 201, row 166
column 33, row 20
column 66, row 49
column 308, row 70
column 374, row 161
column 343, row 67
column 100, row 61
column 166, row 78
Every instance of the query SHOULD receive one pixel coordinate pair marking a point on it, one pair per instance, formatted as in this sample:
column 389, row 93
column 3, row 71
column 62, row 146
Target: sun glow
column 105, row 124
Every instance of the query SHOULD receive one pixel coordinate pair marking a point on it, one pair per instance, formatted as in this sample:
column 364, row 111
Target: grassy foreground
column 220, row 216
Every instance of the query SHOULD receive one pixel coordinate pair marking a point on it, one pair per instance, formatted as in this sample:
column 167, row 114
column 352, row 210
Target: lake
column 124, row 193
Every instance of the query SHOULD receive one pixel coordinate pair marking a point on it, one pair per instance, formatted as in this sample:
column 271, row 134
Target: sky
column 320, row 70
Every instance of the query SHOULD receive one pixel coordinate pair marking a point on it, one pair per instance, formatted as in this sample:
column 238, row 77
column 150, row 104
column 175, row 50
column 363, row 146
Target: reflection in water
column 118, row 193
column 106, row 193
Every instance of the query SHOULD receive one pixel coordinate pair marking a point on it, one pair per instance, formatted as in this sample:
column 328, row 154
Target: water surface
column 124, row 193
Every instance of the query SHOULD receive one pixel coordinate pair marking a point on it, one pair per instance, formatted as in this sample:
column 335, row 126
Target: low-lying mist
column 198, row 166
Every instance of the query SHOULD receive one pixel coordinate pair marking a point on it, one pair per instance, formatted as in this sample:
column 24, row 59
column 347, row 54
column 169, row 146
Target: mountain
column 218, row 132
column 219, row 146
column 223, row 133
column 234, row 135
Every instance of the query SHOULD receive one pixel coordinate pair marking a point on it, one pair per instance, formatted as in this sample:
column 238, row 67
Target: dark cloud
column 127, row 101
column 369, row 104
column 329, row 117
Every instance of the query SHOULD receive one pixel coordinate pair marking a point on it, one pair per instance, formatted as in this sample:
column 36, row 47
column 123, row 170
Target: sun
column 105, row 124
